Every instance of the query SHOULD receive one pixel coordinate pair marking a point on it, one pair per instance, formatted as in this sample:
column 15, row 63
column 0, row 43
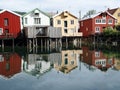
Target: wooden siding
column 14, row 24
column 32, row 32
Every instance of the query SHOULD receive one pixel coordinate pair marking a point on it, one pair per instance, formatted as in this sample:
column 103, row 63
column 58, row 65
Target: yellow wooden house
column 116, row 13
column 67, row 22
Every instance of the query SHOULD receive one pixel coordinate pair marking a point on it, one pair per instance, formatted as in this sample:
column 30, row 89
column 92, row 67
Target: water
column 83, row 69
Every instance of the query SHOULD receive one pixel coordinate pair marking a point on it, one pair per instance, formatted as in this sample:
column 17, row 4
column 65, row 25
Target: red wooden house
column 10, row 64
column 97, row 59
column 96, row 23
column 10, row 24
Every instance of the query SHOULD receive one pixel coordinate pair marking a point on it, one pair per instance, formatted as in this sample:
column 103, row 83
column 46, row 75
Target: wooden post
column 48, row 44
column 27, row 45
column 80, row 43
column 56, row 43
column 41, row 44
column 2, row 45
column 36, row 44
column 66, row 42
column 13, row 44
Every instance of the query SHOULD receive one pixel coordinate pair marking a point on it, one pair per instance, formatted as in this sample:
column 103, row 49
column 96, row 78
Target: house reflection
column 117, row 64
column 68, row 60
column 39, row 64
column 36, row 64
column 10, row 64
column 97, row 59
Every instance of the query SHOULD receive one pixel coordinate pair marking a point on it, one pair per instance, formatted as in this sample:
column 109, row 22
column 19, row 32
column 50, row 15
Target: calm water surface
column 82, row 69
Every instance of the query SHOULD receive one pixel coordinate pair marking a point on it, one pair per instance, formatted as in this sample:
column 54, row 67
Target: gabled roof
column 112, row 11
column 64, row 12
column 97, row 14
column 10, row 12
column 38, row 10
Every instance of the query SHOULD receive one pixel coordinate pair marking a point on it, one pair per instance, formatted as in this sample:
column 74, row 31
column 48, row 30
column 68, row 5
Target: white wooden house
column 36, row 17
column 37, row 24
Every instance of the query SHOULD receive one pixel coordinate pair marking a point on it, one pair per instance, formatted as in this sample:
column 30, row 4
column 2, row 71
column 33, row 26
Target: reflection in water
column 38, row 64
column 68, row 60
column 10, row 64
column 97, row 59
column 64, row 61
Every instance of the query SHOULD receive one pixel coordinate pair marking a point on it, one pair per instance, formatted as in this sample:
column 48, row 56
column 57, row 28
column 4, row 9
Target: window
column 72, row 22
column 6, row 31
column 7, row 66
column 6, row 22
column 97, row 29
column 65, row 23
column 37, row 20
column 116, row 21
column 118, row 14
column 104, row 15
column 81, row 24
column 97, row 54
column 72, row 62
column 66, row 55
column 58, row 21
column 65, row 30
column 104, row 21
column 66, row 61
column 110, row 21
column 98, row 21
column 26, row 21
column 1, row 31
column 36, row 14
column 1, row 58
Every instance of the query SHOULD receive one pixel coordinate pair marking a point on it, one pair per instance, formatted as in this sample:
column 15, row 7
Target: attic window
column 118, row 14
column 36, row 14
column 104, row 15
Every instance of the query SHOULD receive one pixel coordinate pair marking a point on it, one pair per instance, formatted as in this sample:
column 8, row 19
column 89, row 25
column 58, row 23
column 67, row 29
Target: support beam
column 2, row 45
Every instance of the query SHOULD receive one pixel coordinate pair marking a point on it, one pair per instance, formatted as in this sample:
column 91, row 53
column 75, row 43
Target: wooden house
column 95, row 24
column 10, row 24
column 68, row 24
column 37, row 24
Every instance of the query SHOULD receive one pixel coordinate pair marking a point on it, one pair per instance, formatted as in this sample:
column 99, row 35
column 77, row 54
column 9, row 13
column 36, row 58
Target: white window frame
column 1, row 32
column 98, row 21
column 37, row 20
column 110, row 21
column 97, row 29
column 103, row 20
column 97, row 54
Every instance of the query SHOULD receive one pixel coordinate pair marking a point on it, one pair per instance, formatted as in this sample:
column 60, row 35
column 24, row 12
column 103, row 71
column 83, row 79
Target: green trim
column 38, row 10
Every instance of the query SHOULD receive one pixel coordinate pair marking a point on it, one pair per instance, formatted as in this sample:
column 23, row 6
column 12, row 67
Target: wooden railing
column 7, row 35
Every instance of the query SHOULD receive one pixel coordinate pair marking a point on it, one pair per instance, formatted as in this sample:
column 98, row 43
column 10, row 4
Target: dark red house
column 10, row 64
column 97, row 59
column 10, row 24
column 96, row 23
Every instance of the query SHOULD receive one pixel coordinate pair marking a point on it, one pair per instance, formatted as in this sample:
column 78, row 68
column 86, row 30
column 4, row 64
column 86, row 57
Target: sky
column 73, row 6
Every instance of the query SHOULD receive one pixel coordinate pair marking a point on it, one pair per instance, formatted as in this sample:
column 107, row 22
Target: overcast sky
column 74, row 6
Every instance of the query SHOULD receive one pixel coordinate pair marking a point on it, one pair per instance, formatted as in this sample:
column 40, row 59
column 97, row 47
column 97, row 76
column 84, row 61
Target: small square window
column 72, row 21
column 58, row 21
